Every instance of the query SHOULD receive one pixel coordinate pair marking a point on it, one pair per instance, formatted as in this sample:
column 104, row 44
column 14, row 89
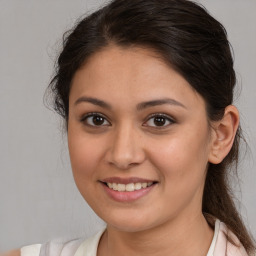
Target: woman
column 146, row 89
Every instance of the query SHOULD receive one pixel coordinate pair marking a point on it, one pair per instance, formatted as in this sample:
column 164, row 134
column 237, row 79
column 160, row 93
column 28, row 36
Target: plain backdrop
column 38, row 197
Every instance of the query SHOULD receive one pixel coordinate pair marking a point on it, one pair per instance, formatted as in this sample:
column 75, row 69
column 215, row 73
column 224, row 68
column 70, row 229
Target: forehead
column 131, row 73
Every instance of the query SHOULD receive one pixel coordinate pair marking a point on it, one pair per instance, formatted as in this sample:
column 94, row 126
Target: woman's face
column 139, row 139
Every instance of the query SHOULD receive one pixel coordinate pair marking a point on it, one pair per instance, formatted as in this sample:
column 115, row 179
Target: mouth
column 130, row 187
column 127, row 190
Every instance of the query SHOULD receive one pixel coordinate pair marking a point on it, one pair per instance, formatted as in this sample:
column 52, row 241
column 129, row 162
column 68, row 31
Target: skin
column 168, row 220
column 12, row 253
column 129, row 144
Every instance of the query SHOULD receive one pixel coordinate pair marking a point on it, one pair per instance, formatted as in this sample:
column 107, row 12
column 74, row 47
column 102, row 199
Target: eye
column 95, row 119
column 159, row 120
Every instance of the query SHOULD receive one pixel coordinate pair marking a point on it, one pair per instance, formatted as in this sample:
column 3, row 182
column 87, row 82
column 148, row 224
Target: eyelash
column 161, row 115
column 85, row 118
column 165, row 117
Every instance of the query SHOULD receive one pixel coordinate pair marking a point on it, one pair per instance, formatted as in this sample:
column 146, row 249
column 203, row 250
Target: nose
column 126, row 148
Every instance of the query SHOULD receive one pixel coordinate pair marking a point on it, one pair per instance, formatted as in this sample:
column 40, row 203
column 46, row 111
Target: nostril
column 123, row 166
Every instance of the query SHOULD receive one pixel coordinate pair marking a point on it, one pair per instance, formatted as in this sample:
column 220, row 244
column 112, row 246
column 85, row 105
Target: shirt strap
column 54, row 248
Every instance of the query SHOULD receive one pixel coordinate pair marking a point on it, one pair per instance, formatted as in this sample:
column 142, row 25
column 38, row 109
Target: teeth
column 129, row 187
column 138, row 186
column 144, row 185
column 110, row 185
column 114, row 186
column 121, row 187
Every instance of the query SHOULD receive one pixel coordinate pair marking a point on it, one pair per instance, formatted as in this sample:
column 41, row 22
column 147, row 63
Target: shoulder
column 12, row 253
column 90, row 245
column 31, row 250
column 227, row 241
column 77, row 247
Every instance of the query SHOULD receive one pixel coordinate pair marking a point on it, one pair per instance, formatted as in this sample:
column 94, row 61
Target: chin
column 131, row 227
column 136, row 222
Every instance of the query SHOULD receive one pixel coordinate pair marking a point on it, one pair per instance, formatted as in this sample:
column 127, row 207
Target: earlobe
column 224, row 132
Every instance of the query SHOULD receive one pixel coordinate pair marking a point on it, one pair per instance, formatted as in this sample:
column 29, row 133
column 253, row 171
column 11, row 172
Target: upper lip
column 126, row 180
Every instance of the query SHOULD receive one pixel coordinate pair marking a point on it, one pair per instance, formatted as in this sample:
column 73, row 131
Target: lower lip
column 127, row 196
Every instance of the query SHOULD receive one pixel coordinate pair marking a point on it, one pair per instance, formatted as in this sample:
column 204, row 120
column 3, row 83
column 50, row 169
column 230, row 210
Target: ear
column 223, row 135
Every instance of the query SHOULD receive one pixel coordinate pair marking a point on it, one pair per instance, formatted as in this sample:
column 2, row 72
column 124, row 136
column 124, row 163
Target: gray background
column 38, row 198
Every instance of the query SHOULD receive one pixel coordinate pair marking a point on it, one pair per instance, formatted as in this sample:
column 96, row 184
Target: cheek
column 181, row 167
column 84, row 157
column 182, row 159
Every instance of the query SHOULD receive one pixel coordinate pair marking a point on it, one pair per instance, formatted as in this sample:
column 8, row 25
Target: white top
column 214, row 240
column 31, row 250
column 218, row 246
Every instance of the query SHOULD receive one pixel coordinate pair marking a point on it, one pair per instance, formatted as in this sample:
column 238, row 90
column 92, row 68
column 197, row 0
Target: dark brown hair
column 193, row 43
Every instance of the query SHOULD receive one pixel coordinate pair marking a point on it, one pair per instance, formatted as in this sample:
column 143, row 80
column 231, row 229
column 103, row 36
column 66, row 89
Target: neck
column 180, row 237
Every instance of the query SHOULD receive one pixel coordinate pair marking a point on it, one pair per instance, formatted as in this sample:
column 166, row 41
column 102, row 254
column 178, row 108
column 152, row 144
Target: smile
column 129, row 187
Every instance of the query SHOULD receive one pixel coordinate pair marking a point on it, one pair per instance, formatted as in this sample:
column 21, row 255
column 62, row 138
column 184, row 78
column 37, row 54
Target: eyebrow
column 94, row 101
column 139, row 107
column 153, row 103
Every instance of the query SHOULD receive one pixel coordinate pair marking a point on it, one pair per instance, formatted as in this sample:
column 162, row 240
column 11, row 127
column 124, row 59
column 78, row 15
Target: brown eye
column 95, row 120
column 159, row 120
column 98, row 120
